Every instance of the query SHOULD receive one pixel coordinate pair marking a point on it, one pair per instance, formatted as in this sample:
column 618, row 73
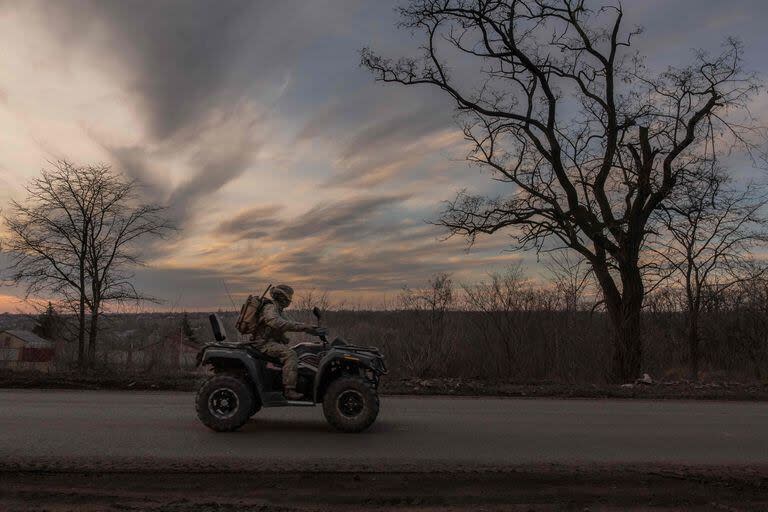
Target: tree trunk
column 81, row 335
column 628, row 346
column 627, row 350
column 81, row 356
column 624, row 310
column 693, row 344
column 92, row 336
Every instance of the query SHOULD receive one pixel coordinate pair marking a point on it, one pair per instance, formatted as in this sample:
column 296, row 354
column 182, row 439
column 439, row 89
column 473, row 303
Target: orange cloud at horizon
column 12, row 304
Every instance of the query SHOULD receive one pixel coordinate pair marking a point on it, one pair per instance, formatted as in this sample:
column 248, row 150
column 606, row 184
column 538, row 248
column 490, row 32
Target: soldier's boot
column 292, row 394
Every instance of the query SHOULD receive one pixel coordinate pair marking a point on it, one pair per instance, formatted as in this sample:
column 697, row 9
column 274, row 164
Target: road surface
column 123, row 430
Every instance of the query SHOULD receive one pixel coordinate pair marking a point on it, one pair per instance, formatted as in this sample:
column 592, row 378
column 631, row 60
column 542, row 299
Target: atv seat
column 258, row 354
column 252, row 351
column 221, row 336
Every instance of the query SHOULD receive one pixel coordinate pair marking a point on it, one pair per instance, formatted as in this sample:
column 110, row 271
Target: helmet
column 282, row 294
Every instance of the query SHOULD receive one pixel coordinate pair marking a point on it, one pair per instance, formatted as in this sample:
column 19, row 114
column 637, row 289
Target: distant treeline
column 505, row 329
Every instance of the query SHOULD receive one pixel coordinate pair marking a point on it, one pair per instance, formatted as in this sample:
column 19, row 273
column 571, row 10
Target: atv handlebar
column 323, row 335
column 318, row 315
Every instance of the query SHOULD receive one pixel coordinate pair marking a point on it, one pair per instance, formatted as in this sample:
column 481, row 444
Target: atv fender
column 235, row 359
column 335, row 364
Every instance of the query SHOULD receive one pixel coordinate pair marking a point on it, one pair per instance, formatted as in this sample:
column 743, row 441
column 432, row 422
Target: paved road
column 125, row 429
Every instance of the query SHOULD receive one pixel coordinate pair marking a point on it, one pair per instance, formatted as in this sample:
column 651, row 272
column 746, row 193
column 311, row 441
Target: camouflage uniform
column 270, row 335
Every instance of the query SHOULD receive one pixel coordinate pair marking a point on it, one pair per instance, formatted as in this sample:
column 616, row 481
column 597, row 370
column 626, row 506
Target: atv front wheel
column 350, row 404
column 224, row 402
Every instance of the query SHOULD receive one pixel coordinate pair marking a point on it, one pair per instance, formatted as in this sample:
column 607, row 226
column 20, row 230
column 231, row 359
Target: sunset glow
column 280, row 158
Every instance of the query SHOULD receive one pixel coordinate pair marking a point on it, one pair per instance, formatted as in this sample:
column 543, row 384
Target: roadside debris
column 645, row 379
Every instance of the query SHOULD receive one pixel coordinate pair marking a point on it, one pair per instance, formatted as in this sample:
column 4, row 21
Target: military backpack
column 250, row 314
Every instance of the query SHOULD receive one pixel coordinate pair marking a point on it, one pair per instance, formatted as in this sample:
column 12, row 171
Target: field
column 455, row 348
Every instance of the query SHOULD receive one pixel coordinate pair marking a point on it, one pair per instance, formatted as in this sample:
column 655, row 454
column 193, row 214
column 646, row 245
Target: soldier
column 270, row 337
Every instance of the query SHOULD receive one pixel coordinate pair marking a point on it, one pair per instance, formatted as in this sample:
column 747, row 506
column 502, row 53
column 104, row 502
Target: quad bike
column 342, row 377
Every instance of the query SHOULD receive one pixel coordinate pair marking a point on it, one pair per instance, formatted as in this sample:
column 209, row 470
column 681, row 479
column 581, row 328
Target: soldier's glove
column 318, row 331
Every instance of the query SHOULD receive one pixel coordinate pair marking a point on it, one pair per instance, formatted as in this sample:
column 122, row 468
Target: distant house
column 23, row 350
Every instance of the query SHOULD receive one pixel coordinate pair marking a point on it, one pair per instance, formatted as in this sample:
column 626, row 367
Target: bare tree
column 588, row 140
column 73, row 239
column 749, row 299
column 504, row 311
column 48, row 239
column 711, row 230
column 314, row 298
column 571, row 277
column 429, row 309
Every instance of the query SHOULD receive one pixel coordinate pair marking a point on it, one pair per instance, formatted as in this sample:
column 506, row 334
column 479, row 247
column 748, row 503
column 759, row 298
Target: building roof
column 30, row 339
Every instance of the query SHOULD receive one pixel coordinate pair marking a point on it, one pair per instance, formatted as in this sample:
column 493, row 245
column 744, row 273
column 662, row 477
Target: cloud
column 203, row 76
column 172, row 53
column 252, row 223
column 409, row 164
column 362, row 244
column 214, row 152
column 182, row 58
column 385, row 265
column 342, row 220
column 135, row 163
column 393, row 132
column 193, row 288
column 380, row 136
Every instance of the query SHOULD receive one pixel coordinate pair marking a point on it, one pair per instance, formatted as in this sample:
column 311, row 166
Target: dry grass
column 505, row 330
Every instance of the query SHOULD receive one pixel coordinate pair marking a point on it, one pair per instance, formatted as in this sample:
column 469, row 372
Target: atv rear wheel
column 224, row 402
column 350, row 404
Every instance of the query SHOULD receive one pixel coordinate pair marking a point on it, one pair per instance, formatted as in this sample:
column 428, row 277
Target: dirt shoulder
column 677, row 390
column 525, row 488
column 681, row 390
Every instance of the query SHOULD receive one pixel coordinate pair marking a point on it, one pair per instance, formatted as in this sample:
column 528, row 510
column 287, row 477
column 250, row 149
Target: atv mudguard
column 236, row 358
column 340, row 361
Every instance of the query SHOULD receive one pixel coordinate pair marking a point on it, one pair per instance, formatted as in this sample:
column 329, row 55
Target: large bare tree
column 590, row 142
column 73, row 239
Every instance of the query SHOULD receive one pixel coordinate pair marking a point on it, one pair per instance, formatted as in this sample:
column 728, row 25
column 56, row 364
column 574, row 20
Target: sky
column 279, row 157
